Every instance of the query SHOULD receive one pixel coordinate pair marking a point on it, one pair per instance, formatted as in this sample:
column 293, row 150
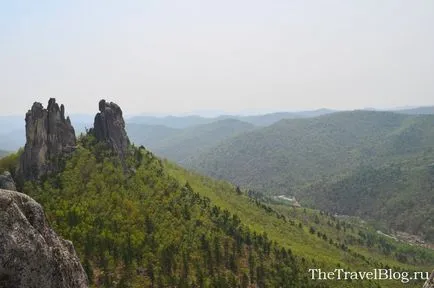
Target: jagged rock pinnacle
column 109, row 127
column 48, row 137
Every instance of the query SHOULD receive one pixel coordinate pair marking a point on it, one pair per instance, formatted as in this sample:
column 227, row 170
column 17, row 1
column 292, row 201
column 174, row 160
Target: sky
column 177, row 57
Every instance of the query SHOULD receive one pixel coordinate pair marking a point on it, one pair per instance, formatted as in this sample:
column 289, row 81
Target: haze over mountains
column 12, row 134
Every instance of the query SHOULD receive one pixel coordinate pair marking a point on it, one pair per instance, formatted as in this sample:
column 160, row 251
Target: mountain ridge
column 287, row 157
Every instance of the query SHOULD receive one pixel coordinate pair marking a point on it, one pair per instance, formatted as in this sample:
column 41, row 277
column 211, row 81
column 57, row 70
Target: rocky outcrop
column 49, row 135
column 31, row 254
column 109, row 127
column 430, row 282
column 7, row 182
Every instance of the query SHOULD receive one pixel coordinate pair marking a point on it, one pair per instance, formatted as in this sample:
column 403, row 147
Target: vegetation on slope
column 331, row 241
column 10, row 162
column 143, row 228
column 396, row 197
column 162, row 226
column 289, row 156
column 182, row 144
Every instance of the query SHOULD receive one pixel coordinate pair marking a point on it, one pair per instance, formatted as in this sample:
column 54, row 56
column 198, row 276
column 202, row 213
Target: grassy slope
column 301, row 241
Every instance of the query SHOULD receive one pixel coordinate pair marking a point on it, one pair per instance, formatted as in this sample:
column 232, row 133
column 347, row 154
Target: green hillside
column 143, row 228
column 182, row 144
column 398, row 197
column 291, row 155
column 310, row 233
column 161, row 225
column 151, row 136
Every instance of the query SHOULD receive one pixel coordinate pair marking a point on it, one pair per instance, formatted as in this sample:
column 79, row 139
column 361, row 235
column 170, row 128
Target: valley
column 136, row 219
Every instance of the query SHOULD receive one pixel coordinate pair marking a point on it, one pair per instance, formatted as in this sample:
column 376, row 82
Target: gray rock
column 7, row 182
column 109, row 127
column 49, row 135
column 430, row 282
column 31, row 254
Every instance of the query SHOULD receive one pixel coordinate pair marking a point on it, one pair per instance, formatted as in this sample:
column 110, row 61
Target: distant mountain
column 293, row 152
column 291, row 155
column 181, row 122
column 12, row 132
column 417, row 111
column 268, row 119
column 11, row 123
column 178, row 122
column 152, row 136
column 264, row 120
column 314, row 113
column 13, row 140
column 182, row 144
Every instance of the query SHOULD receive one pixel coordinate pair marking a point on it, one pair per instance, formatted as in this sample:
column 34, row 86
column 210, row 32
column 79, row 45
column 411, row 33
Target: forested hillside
column 290, row 155
column 398, row 197
column 158, row 224
column 143, row 228
column 181, row 144
column 324, row 236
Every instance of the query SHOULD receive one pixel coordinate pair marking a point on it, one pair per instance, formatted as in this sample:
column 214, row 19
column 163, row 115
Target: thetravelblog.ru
column 375, row 274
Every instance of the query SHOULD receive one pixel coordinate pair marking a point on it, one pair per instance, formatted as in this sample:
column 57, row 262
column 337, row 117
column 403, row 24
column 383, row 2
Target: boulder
column 31, row 254
column 49, row 136
column 7, row 182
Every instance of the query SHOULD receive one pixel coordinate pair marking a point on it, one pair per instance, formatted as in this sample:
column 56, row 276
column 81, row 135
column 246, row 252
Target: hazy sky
column 243, row 55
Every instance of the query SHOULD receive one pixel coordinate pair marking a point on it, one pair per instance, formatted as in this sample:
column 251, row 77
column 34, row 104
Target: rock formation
column 48, row 137
column 109, row 127
column 430, row 282
column 7, row 182
column 31, row 254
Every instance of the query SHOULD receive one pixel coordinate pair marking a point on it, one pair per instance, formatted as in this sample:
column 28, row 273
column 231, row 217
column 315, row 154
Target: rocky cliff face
column 7, row 182
column 49, row 135
column 31, row 254
column 109, row 127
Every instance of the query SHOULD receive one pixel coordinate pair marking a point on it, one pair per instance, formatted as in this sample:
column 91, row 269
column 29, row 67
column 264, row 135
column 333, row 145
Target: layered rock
column 7, row 182
column 31, row 254
column 49, row 135
column 109, row 127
